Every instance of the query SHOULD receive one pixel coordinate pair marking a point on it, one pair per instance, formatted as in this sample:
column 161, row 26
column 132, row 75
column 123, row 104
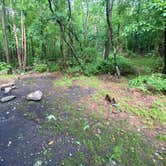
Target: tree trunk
column 4, row 33
column 70, row 27
column 25, row 48
column 109, row 35
column 62, row 44
column 164, row 70
column 16, row 37
column 24, row 54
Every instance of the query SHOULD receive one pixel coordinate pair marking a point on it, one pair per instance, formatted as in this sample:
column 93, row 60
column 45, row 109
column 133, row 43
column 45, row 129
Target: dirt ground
column 21, row 143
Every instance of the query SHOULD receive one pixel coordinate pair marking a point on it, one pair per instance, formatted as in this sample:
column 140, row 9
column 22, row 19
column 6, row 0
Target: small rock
column 35, row 96
column 70, row 154
column 113, row 163
column 9, row 143
column 7, row 98
column 8, row 89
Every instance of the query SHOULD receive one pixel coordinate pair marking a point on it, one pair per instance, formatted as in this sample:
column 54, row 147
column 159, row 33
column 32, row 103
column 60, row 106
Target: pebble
column 70, row 154
column 9, row 143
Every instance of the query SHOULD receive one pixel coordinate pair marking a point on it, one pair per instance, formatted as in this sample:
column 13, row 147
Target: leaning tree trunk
column 4, row 33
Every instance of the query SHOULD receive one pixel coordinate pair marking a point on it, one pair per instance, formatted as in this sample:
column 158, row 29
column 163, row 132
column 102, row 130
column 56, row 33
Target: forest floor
column 74, row 125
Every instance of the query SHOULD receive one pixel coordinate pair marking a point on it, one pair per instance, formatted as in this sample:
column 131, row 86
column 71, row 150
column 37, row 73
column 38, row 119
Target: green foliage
column 161, row 137
column 41, row 67
column 156, row 82
column 52, row 67
column 125, row 65
column 4, row 68
column 147, row 64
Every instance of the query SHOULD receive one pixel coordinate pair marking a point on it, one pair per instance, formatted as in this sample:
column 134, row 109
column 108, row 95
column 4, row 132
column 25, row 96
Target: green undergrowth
column 104, row 142
column 155, row 114
column 146, row 65
column 151, row 83
column 161, row 137
column 67, row 81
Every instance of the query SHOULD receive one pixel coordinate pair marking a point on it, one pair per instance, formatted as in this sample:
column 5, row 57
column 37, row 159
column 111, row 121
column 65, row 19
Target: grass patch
column 80, row 80
column 161, row 137
column 7, row 76
column 152, row 115
column 105, row 142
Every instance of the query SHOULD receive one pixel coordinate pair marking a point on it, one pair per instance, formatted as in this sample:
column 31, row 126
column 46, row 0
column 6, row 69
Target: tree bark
column 16, row 37
column 4, row 32
column 70, row 27
column 24, row 53
column 109, row 35
column 164, row 70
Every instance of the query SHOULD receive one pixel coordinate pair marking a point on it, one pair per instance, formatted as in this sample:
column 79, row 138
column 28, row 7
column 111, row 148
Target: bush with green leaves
column 52, row 67
column 4, row 67
column 125, row 65
column 40, row 67
column 155, row 82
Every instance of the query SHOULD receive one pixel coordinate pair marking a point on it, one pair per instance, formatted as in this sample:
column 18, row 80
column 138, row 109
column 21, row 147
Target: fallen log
column 3, row 86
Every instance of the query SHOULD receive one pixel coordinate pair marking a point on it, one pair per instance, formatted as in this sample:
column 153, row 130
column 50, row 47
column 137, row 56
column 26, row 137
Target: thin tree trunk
column 25, row 48
column 164, row 70
column 70, row 27
column 109, row 35
column 85, row 24
column 16, row 37
column 4, row 33
column 62, row 44
column 109, row 41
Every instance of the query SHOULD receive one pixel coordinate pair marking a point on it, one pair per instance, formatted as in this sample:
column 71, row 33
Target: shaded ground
column 27, row 137
column 20, row 140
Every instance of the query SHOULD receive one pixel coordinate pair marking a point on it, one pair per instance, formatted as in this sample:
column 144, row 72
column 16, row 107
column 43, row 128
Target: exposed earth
column 26, row 140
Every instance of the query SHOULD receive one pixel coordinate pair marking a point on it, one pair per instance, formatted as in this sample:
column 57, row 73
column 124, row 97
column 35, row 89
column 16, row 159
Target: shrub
column 155, row 82
column 125, row 65
column 40, row 67
column 4, row 67
column 91, row 69
column 52, row 67
column 75, row 70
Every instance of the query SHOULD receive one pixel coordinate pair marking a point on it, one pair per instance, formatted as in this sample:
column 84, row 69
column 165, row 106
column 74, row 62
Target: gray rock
column 35, row 96
column 9, row 89
column 7, row 98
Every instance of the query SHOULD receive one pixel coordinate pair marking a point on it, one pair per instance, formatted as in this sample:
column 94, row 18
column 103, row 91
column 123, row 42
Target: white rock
column 7, row 90
column 35, row 96
column 7, row 98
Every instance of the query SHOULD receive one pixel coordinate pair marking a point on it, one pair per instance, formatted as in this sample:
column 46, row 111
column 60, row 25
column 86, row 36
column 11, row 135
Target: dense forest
column 87, row 36
column 83, row 82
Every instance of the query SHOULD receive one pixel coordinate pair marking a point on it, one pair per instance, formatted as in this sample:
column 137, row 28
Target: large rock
column 35, row 96
column 7, row 98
